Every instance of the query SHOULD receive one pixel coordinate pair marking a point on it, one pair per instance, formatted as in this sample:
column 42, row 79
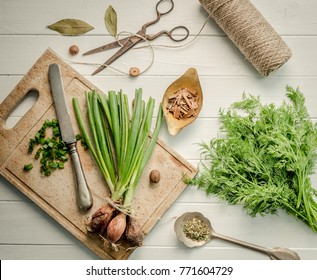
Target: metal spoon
column 276, row 253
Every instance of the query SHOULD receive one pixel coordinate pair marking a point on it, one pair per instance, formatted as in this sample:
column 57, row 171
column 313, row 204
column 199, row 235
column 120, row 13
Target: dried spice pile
column 183, row 104
column 196, row 229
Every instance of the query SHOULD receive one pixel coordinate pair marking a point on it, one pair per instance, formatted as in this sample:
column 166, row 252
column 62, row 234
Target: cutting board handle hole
column 22, row 107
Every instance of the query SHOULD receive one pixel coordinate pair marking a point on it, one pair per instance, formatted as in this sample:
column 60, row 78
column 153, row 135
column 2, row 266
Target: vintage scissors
column 128, row 43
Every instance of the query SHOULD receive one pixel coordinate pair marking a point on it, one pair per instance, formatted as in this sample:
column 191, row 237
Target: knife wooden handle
column 84, row 198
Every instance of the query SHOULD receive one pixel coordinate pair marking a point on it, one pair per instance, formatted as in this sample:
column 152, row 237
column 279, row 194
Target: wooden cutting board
column 55, row 194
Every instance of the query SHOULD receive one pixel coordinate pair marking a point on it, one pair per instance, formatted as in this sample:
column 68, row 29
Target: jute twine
column 250, row 32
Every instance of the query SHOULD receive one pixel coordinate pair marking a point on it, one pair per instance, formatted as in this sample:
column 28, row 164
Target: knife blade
column 84, row 198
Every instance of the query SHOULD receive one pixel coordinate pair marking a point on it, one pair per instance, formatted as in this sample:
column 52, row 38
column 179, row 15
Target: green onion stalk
column 121, row 144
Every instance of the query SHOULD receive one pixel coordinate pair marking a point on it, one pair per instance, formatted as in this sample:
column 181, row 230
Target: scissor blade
column 109, row 46
column 132, row 41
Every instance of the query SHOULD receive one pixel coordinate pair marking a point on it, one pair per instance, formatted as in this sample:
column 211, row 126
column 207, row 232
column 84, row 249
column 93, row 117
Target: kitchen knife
column 84, row 198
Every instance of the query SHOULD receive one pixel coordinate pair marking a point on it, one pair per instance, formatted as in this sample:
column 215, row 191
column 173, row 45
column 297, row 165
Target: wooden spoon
column 190, row 81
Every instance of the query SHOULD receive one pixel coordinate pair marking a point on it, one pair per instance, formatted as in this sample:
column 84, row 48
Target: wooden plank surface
column 224, row 75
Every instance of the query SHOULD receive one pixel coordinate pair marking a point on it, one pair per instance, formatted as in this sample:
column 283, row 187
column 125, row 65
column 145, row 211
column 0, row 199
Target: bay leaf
column 71, row 27
column 111, row 20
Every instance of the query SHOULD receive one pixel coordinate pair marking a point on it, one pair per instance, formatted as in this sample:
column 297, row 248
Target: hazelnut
column 134, row 71
column 155, row 176
column 73, row 50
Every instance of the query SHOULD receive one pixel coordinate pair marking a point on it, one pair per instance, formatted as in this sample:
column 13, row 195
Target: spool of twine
column 250, row 32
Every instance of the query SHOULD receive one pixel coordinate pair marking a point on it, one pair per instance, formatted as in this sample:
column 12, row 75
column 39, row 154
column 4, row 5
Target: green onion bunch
column 120, row 143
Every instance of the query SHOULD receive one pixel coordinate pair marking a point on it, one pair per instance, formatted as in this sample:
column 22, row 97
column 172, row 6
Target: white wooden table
column 26, row 232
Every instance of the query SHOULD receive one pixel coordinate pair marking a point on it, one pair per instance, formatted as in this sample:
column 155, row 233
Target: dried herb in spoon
column 196, row 229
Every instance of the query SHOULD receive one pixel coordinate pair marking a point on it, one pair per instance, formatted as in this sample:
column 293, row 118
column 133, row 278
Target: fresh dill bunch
column 265, row 160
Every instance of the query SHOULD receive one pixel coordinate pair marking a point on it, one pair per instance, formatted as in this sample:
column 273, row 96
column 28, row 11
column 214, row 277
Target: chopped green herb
column 53, row 151
column 53, row 165
column 38, row 153
column 56, row 131
column 31, row 146
column 28, row 167
column 82, row 141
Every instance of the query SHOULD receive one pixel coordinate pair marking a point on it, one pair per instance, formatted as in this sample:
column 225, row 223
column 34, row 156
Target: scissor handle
column 171, row 34
column 161, row 13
